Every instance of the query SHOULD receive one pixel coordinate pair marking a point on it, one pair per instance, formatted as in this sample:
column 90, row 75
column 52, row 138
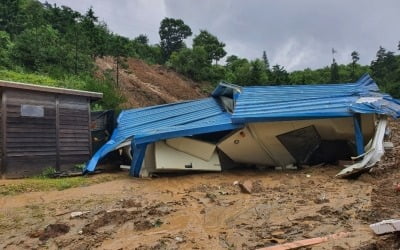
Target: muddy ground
column 207, row 211
column 204, row 211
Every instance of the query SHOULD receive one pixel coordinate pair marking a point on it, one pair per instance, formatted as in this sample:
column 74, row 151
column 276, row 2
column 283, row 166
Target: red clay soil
column 144, row 85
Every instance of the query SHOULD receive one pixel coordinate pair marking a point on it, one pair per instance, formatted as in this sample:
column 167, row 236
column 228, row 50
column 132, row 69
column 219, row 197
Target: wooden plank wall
column 74, row 130
column 60, row 139
column 1, row 134
column 30, row 141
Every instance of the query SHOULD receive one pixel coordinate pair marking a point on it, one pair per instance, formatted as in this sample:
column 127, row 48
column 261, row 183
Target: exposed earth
column 207, row 211
column 144, row 85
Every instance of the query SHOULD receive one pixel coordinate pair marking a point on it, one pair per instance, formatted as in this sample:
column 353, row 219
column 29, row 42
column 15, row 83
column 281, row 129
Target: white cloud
column 295, row 34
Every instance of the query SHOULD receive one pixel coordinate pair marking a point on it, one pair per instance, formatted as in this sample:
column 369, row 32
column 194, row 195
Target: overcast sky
column 295, row 33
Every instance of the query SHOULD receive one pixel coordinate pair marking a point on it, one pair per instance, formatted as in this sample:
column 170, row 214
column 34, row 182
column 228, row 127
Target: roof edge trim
column 50, row 89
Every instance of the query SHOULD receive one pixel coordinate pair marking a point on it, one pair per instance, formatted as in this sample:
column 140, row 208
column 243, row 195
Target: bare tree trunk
column 117, row 77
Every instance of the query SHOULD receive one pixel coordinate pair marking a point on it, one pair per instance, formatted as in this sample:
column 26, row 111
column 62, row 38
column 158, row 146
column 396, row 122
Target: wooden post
column 4, row 132
column 90, row 127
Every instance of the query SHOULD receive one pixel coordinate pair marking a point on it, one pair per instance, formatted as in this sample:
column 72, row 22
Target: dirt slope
column 145, row 85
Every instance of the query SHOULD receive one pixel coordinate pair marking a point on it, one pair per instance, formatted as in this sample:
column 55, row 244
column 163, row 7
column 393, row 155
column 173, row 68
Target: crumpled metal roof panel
column 166, row 121
column 288, row 102
column 252, row 104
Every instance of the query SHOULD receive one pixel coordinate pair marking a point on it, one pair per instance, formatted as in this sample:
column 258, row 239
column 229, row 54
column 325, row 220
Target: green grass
column 40, row 79
column 111, row 97
column 40, row 183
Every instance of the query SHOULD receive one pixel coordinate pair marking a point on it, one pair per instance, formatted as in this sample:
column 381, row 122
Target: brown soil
column 51, row 231
column 144, row 85
column 207, row 211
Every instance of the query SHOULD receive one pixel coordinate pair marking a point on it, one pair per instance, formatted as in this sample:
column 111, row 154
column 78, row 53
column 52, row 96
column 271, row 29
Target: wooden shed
column 43, row 127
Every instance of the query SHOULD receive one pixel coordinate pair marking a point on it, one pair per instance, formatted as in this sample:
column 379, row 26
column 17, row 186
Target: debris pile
column 263, row 126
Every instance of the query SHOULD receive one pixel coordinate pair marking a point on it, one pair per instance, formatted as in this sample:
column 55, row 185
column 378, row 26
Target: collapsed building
column 278, row 126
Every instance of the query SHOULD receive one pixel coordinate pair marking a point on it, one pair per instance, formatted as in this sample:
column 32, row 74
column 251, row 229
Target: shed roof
column 48, row 89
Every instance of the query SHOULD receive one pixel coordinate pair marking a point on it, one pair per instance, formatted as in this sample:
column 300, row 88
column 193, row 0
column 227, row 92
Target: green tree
column 217, row 74
column 5, row 47
column 38, row 49
column 334, row 72
column 9, row 16
column 142, row 39
column 213, row 47
column 172, row 33
column 61, row 18
column 265, row 60
column 192, row 63
column 279, row 75
column 385, row 68
column 78, row 57
column 95, row 35
column 258, row 74
column 306, row 76
column 119, row 49
column 355, row 56
column 238, row 70
column 230, row 59
column 32, row 14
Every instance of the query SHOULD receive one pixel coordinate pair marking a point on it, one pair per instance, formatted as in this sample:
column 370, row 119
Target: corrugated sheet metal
column 252, row 104
column 166, row 121
column 274, row 103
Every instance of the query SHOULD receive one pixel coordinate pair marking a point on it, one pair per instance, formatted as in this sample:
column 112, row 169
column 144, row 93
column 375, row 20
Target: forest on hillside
column 57, row 45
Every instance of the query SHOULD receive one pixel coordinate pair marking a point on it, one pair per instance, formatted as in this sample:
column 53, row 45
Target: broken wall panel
column 242, row 147
column 258, row 143
column 168, row 158
column 196, row 148
column 301, row 143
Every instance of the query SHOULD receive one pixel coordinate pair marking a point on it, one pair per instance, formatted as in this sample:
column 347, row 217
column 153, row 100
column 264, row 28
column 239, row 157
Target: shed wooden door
column 30, row 134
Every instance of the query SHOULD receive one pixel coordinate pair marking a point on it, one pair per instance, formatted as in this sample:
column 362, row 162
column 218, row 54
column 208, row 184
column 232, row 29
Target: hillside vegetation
column 55, row 45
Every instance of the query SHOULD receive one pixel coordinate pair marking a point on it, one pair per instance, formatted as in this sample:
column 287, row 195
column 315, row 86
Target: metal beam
column 359, row 138
column 139, row 151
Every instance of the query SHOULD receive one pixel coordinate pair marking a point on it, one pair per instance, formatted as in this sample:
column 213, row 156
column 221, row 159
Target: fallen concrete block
column 386, row 226
column 307, row 242
column 246, row 187
column 78, row 214
column 387, row 145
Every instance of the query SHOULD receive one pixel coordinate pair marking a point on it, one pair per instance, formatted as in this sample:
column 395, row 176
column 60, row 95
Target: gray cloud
column 295, row 33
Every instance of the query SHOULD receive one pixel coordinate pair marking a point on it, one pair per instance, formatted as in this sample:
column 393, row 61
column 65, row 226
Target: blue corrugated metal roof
column 252, row 104
column 166, row 121
column 274, row 103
